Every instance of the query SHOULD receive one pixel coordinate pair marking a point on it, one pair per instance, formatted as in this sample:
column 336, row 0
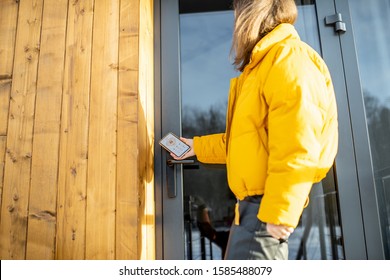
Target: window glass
column 371, row 23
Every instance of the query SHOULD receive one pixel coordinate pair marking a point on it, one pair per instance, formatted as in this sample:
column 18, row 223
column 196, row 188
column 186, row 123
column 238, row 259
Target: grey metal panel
column 345, row 166
column 172, row 208
column 372, row 230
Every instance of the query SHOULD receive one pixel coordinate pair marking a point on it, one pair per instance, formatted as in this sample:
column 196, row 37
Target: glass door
column 374, row 64
column 205, row 69
column 205, row 40
column 194, row 203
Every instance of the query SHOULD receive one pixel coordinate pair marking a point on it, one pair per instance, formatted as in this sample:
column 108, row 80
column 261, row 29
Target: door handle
column 171, row 175
column 172, row 162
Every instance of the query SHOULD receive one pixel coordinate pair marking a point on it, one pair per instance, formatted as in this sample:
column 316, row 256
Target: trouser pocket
column 250, row 240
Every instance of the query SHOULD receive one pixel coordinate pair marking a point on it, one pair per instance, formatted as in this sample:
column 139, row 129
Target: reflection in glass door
column 205, row 39
column 205, row 71
column 374, row 64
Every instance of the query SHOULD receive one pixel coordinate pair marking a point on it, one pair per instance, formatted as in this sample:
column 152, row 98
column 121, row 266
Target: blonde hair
column 253, row 20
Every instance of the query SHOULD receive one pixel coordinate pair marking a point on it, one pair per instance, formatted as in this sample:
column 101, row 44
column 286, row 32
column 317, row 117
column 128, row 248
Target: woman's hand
column 279, row 231
column 190, row 153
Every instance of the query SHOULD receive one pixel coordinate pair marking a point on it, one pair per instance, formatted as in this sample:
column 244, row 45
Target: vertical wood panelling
column 100, row 232
column 128, row 234
column 74, row 133
column 44, row 179
column 76, row 129
column 3, row 140
column 13, row 227
column 8, row 19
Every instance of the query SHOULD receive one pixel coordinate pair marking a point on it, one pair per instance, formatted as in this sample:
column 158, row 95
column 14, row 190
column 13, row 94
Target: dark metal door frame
column 169, row 219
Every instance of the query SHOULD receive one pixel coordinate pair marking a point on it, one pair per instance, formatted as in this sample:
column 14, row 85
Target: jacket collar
column 281, row 32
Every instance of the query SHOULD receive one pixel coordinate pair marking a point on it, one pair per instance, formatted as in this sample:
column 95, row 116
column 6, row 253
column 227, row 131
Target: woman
column 281, row 130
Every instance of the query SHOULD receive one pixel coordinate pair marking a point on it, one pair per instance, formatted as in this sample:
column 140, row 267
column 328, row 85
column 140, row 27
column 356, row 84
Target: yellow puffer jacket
column 281, row 127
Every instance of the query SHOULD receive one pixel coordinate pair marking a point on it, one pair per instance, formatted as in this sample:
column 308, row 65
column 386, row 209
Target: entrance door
column 194, row 203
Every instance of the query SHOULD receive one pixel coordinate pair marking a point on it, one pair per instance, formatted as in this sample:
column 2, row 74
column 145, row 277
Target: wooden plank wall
column 76, row 129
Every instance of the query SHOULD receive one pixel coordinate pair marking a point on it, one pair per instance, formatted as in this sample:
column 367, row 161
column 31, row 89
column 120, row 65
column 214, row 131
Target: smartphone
column 173, row 144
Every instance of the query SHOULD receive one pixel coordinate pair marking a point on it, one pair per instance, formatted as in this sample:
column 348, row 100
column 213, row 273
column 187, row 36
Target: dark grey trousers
column 250, row 240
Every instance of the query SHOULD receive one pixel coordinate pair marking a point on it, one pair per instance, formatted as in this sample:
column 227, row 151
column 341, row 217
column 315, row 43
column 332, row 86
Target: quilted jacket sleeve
column 297, row 96
column 211, row 148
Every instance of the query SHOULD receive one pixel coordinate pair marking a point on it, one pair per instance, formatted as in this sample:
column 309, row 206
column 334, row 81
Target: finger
column 281, row 234
column 279, row 231
column 285, row 235
column 276, row 234
column 185, row 140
